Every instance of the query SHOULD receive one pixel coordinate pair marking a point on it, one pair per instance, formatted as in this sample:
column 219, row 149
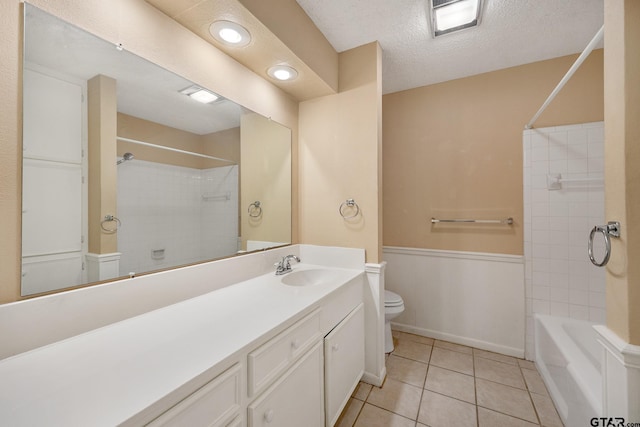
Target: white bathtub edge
column 620, row 376
column 575, row 402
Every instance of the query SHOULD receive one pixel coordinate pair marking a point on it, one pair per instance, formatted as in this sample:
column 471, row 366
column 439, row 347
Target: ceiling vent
column 448, row 16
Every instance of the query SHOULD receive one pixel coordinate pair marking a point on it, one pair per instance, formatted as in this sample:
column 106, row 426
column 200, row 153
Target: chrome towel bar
column 508, row 221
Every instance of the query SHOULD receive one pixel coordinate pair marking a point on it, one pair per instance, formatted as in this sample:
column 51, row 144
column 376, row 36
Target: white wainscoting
column 468, row 298
column 620, row 376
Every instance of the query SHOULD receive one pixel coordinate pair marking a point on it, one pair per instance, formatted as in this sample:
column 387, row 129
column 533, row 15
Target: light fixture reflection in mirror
column 179, row 201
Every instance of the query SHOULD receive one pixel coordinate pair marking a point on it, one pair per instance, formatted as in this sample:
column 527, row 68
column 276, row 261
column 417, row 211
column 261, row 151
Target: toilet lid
column 391, row 299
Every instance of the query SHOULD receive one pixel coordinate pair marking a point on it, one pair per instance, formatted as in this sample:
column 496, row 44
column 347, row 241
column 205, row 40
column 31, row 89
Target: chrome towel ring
column 612, row 229
column 110, row 218
column 255, row 210
column 349, row 203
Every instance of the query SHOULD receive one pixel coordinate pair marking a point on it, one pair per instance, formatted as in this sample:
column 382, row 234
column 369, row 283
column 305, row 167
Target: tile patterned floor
column 437, row 384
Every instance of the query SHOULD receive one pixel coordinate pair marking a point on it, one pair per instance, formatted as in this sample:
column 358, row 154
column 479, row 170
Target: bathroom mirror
column 125, row 172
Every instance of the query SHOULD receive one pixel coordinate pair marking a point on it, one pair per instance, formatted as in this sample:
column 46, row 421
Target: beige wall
column 144, row 31
column 102, row 108
column 265, row 174
column 622, row 170
column 224, row 144
column 340, row 156
column 454, row 150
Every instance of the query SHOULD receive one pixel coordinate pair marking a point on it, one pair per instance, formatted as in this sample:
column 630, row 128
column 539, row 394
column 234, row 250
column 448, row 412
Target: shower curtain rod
column 592, row 44
column 162, row 147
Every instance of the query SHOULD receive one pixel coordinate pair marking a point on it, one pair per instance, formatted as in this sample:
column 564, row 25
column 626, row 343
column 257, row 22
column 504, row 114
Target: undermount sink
column 315, row 276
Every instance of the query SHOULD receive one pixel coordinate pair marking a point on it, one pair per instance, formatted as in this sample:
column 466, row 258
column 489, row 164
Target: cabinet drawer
column 296, row 399
column 273, row 358
column 214, row 405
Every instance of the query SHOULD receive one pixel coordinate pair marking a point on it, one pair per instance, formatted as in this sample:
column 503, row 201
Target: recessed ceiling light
column 230, row 33
column 282, row 72
column 199, row 94
column 452, row 15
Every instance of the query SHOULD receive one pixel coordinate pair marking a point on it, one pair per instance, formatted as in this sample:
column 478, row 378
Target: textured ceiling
column 512, row 32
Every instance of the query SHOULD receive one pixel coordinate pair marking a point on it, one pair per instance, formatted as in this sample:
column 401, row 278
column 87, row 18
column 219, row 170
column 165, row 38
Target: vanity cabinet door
column 296, row 399
column 344, row 362
column 216, row 404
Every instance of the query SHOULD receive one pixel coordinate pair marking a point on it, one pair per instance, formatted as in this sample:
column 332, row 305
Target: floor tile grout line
column 474, row 355
column 386, row 410
column 510, row 415
column 497, row 361
column 535, row 408
column 516, row 388
column 424, row 383
column 450, row 397
column 413, row 360
column 475, row 391
column 457, row 351
column 507, row 385
column 451, row 370
column 359, row 412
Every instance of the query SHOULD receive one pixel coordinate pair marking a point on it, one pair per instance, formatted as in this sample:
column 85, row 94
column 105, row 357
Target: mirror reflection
column 129, row 168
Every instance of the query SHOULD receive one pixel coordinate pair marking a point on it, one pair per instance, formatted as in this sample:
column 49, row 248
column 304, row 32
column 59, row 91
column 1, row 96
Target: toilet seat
column 391, row 299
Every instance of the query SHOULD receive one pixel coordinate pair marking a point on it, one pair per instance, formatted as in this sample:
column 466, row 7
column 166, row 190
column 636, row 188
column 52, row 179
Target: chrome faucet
column 284, row 266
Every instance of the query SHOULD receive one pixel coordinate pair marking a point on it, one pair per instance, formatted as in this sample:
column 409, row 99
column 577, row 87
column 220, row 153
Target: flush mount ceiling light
column 448, row 16
column 201, row 95
column 230, row 33
column 282, row 72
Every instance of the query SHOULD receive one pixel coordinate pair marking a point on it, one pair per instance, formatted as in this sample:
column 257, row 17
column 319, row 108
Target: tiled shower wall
column 559, row 278
column 181, row 210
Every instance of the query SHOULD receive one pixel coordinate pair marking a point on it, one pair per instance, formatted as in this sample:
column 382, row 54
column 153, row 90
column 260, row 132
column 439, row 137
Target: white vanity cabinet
column 296, row 398
column 216, row 404
column 295, row 378
column 188, row 365
column 344, row 362
column 270, row 360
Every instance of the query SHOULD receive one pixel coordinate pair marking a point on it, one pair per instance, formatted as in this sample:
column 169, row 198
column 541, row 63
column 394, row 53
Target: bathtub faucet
column 284, row 266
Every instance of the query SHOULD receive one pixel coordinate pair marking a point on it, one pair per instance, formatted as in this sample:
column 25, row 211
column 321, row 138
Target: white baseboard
column 471, row 342
column 375, row 379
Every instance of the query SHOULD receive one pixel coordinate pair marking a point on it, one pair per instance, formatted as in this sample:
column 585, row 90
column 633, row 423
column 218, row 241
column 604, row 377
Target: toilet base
column 388, row 337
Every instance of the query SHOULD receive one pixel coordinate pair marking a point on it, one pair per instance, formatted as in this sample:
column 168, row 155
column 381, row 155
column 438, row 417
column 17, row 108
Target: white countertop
column 106, row 376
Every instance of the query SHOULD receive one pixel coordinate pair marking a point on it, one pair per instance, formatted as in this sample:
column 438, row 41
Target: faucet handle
column 284, row 266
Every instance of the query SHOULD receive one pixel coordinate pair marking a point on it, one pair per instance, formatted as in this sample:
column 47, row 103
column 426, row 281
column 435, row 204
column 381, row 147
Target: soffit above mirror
column 316, row 77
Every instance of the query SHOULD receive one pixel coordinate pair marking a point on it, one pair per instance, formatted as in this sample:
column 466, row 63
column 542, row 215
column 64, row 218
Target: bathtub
column 568, row 357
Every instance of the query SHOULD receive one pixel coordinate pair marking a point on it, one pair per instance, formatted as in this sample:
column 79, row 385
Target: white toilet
column 393, row 306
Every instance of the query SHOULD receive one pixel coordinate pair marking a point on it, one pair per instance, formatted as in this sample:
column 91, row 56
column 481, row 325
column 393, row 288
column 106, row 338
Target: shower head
column 127, row 156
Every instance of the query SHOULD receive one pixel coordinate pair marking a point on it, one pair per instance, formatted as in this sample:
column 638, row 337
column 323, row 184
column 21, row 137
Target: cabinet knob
column 268, row 416
column 295, row 343
column 335, row 347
